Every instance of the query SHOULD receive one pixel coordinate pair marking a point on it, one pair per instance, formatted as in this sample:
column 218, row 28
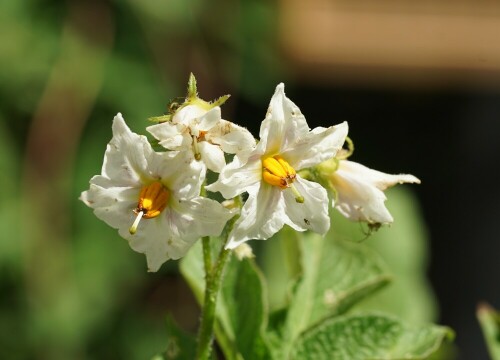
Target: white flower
column 360, row 191
column 277, row 195
column 198, row 128
column 152, row 198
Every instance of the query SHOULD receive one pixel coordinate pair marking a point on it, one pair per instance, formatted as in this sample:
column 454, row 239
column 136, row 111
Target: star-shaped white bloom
column 360, row 191
column 197, row 127
column 152, row 198
column 277, row 195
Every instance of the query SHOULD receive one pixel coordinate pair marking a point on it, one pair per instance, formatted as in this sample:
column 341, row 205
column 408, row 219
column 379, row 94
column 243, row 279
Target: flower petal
column 312, row 214
column 152, row 240
column 272, row 128
column 200, row 217
column 188, row 114
column 261, row 217
column 212, row 156
column 210, row 119
column 125, row 157
column 379, row 179
column 171, row 136
column 171, row 235
column 232, row 138
column 113, row 205
column 178, row 171
column 284, row 122
column 236, row 177
column 316, row 146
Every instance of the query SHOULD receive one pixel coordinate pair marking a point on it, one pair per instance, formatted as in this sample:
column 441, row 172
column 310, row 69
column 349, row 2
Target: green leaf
column 180, row 345
column 404, row 248
column 243, row 300
column 489, row 319
column 241, row 306
column 335, row 275
column 369, row 336
column 10, row 207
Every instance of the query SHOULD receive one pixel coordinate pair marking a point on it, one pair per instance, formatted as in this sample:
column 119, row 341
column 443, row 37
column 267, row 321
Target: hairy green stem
column 213, row 279
column 207, row 256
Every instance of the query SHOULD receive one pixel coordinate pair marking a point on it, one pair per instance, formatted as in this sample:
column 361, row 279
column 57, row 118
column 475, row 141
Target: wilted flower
column 152, row 198
column 277, row 195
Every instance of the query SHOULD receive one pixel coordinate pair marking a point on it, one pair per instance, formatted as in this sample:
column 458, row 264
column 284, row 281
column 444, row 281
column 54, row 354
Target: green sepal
column 192, row 91
column 161, row 118
column 220, row 101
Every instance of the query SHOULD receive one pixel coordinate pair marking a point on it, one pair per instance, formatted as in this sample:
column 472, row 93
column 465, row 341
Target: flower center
column 278, row 172
column 152, row 200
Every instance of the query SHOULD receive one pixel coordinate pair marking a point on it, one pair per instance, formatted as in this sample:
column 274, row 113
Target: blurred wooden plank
column 420, row 43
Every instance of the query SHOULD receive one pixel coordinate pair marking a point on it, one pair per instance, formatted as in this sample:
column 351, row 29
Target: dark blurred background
column 419, row 84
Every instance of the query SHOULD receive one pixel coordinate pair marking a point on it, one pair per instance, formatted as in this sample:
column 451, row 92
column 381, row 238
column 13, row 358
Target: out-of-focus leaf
column 9, row 203
column 403, row 247
column 180, row 345
column 489, row 319
column 369, row 336
column 132, row 89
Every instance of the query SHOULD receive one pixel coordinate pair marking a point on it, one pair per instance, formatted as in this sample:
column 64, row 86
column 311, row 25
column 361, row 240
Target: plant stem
column 213, row 281
column 207, row 256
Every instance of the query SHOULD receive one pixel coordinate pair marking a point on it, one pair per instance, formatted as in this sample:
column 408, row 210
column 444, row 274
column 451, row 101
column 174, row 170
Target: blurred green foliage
column 70, row 286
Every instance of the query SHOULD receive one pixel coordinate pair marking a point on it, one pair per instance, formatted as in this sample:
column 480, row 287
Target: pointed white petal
column 125, row 157
column 360, row 194
column 261, row 217
column 316, row 146
column 284, row 123
column 379, row 179
column 312, row 214
column 273, row 127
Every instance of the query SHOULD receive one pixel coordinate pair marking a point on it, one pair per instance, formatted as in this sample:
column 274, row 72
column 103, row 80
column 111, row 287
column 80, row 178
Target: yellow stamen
column 278, row 172
column 152, row 200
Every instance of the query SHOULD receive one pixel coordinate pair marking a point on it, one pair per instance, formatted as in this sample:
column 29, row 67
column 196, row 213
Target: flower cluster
column 153, row 198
